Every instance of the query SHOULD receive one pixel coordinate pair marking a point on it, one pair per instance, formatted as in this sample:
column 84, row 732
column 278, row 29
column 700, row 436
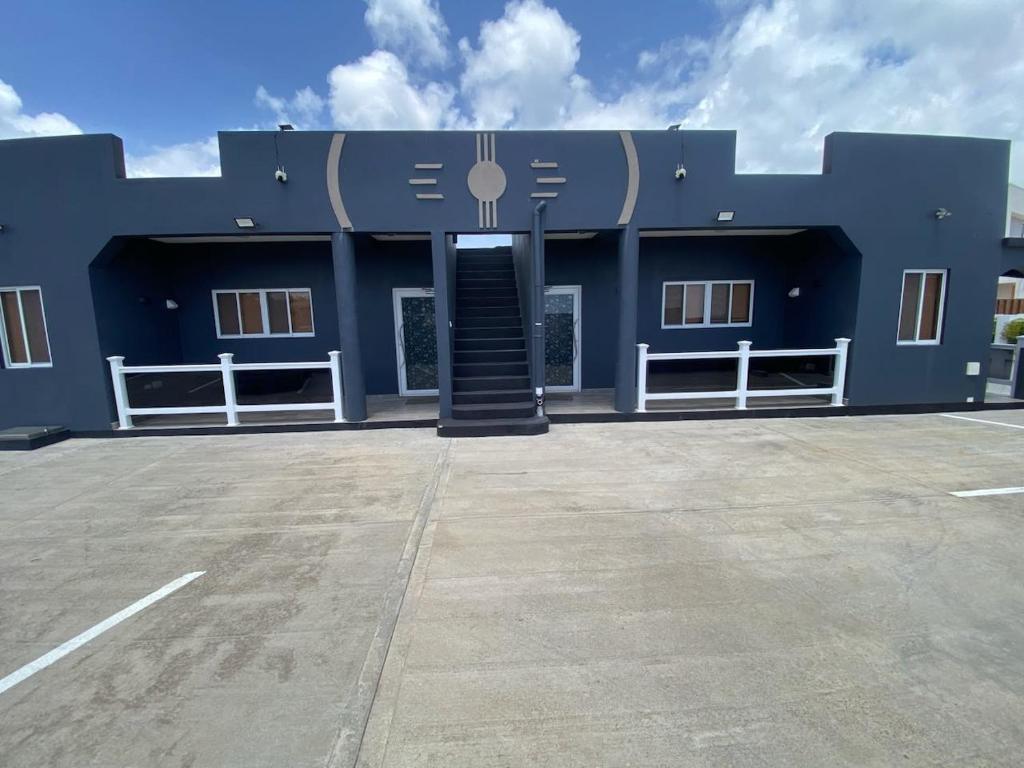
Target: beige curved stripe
column 633, row 179
column 334, row 180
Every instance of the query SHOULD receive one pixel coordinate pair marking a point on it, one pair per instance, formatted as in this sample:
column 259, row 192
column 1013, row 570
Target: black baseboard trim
column 611, row 417
column 814, row 411
column 256, row 429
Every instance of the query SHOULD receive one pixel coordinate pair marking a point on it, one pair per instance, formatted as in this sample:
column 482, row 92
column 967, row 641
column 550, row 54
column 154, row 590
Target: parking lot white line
column 983, row 421
column 987, row 492
column 79, row 640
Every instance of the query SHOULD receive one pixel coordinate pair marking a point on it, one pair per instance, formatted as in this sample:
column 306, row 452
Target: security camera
column 680, row 172
column 280, row 175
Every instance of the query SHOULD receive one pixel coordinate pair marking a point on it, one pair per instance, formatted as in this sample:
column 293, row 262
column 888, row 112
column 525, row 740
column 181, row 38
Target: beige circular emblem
column 486, row 181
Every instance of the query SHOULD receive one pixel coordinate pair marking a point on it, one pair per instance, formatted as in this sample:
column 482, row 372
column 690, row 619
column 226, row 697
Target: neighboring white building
column 1015, row 212
column 1013, row 287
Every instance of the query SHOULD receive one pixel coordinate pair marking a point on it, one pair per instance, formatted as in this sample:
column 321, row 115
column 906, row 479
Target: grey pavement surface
column 800, row 592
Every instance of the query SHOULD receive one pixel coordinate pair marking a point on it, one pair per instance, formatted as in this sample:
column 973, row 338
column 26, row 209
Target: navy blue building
column 642, row 236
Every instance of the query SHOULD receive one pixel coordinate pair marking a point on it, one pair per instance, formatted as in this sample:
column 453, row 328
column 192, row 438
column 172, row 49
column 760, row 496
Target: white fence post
column 839, row 377
column 228, row 375
column 120, row 392
column 339, row 408
column 641, row 377
column 742, row 374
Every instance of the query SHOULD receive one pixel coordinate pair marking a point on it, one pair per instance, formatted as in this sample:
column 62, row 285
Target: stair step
column 520, row 410
column 487, row 343
column 486, row 293
column 491, row 356
column 487, row 301
column 493, row 396
column 485, row 274
column 476, row 259
column 498, row 368
column 501, row 321
column 481, row 383
column 500, row 332
column 487, row 312
column 535, row 425
column 485, row 282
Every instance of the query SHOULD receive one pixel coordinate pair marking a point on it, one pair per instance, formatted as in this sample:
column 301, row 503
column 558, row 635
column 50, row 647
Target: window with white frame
column 921, row 306
column 1016, row 226
column 246, row 314
column 707, row 304
column 23, row 328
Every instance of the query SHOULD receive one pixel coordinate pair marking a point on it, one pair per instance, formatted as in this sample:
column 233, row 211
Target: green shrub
column 1013, row 329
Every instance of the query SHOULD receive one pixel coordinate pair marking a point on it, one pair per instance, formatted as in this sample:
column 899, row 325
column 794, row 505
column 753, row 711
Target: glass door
column 562, row 338
column 415, row 341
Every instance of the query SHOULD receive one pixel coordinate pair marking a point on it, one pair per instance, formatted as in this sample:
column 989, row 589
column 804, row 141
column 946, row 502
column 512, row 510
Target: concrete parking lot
column 742, row 593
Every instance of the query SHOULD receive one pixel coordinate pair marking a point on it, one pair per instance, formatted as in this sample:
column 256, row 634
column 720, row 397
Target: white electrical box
column 973, row 369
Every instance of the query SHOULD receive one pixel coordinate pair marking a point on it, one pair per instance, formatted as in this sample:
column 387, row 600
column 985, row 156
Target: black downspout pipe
column 537, row 305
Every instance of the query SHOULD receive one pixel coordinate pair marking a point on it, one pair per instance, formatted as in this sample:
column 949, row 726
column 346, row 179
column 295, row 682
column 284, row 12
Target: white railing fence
column 231, row 407
column 742, row 390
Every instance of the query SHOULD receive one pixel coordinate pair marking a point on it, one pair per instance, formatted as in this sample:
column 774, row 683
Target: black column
column 629, row 273
column 343, row 251
column 439, row 254
column 536, row 309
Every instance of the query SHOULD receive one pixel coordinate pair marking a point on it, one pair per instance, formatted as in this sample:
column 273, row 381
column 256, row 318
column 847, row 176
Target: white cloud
column 782, row 73
column 197, row 158
column 376, row 93
column 413, row 29
column 302, row 111
column 16, row 124
column 523, row 71
column 785, row 74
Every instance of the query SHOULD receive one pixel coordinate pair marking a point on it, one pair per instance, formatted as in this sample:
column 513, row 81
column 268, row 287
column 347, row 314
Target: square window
column 707, row 304
column 264, row 312
column 23, row 328
column 720, row 303
column 277, row 312
column 740, row 311
column 921, row 307
column 695, row 304
column 673, row 314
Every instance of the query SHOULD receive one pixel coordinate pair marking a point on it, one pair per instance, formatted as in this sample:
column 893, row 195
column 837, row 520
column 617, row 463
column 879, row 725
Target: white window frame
column 917, row 340
column 24, row 330
column 707, row 304
column 264, row 313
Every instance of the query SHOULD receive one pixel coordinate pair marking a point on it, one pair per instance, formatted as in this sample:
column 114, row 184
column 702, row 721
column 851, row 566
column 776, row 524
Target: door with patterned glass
column 562, row 338
column 415, row 341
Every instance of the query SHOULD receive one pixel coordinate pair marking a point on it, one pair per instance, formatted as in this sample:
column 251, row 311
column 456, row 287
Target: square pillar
column 343, row 253
column 629, row 275
column 443, row 292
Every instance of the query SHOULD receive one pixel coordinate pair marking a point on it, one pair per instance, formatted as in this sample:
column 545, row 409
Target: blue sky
column 165, row 76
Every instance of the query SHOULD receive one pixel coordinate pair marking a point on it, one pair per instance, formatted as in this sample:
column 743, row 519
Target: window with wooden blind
column 262, row 313
column 23, row 328
column 921, row 306
column 708, row 304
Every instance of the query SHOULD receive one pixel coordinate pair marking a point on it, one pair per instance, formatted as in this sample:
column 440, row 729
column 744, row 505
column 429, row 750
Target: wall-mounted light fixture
column 943, row 213
column 726, row 215
column 244, row 222
column 794, row 292
column 171, row 304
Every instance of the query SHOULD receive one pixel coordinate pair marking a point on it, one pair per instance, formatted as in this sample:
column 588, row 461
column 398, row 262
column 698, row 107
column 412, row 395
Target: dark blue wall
column 382, row 267
column 198, row 269
column 63, row 200
column 592, row 265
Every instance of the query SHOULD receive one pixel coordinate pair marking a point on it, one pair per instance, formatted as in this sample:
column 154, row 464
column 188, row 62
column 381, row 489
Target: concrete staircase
column 491, row 392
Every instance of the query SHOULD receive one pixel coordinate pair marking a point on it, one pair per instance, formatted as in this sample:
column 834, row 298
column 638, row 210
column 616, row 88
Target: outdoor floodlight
column 794, row 292
column 244, row 222
column 726, row 215
column 943, row 213
column 286, row 127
